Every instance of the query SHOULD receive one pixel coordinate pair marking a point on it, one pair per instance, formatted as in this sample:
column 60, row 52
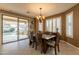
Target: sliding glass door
column 23, row 29
column 14, row 29
column 9, row 29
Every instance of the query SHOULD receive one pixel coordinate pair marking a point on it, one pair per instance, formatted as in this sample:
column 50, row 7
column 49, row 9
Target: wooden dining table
column 45, row 38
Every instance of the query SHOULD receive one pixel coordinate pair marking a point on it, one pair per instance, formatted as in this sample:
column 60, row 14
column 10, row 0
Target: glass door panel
column 9, row 29
column 23, row 29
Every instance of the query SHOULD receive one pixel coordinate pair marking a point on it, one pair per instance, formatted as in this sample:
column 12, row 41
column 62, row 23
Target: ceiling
column 32, row 9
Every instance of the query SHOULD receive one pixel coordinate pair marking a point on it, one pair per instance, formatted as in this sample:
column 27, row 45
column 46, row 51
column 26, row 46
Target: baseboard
column 71, row 44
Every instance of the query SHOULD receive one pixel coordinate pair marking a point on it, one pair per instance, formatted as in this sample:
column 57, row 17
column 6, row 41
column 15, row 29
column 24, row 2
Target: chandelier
column 40, row 17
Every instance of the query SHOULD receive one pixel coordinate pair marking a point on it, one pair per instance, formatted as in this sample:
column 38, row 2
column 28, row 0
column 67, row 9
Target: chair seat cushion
column 51, row 43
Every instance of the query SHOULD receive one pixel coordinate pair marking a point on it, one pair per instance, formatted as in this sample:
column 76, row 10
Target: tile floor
column 23, row 48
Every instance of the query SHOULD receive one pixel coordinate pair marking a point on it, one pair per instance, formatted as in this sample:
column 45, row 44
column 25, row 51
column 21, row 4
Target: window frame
column 49, row 25
column 56, row 24
column 67, row 31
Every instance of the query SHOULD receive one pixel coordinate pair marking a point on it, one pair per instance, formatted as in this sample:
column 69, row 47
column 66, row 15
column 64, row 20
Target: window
column 9, row 29
column 14, row 29
column 57, row 24
column 23, row 29
column 40, row 26
column 49, row 25
column 54, row 24
column 69, row 25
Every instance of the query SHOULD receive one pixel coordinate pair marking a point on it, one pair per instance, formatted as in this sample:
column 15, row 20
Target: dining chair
column 55, row 44
column 31, row 39
column 39, row 41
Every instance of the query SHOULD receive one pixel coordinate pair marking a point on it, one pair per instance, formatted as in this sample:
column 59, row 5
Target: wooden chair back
column 58, row 37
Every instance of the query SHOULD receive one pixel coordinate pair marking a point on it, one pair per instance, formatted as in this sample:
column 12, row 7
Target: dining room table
column 45, row 38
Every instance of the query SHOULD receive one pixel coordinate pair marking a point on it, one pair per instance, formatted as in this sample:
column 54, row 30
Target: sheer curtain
column 49, row 24
column 54, row 24
column 69, row 25
column 57, row 24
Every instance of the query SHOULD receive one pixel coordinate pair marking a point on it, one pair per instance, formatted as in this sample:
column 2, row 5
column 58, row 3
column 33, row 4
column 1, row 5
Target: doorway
column 14, row 29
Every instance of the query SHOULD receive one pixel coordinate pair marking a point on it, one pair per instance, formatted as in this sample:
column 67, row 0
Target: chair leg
column 32, row 44
column 58, row 49
column 55, row 51
column 41, row 48
column 41, row 51
column 36, row 46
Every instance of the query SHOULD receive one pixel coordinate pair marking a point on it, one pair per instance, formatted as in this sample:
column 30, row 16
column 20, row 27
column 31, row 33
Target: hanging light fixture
column 40, row 17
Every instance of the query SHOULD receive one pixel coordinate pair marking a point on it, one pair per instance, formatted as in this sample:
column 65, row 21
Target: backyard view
column 11, row 31
column 23, row 29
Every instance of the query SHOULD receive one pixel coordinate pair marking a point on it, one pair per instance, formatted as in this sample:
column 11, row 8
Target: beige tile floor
column 23, row 48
